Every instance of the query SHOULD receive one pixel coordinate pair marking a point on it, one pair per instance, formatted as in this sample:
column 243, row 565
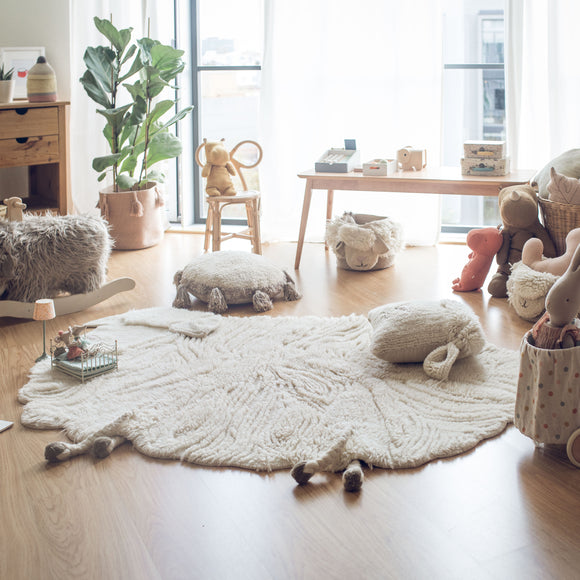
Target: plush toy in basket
column 364, row 242
column 561, row 209
column 548, row 395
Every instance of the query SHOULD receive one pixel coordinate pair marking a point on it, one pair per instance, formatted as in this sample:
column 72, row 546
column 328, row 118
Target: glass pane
column 473, row 100
column 473, row 109
column 230, row 105
column 492, row 31
column 233, row 41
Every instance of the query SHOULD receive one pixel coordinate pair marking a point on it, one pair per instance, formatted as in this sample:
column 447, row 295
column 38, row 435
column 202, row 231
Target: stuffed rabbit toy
column 558, row 328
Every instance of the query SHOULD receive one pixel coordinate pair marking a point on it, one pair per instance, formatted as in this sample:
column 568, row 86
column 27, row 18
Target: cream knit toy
column 436, row 333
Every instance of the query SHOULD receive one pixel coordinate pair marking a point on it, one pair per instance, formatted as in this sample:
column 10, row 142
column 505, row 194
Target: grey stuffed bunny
column 558, row 328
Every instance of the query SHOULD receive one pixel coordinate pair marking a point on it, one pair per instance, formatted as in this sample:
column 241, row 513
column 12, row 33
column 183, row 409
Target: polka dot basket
column 548, row 397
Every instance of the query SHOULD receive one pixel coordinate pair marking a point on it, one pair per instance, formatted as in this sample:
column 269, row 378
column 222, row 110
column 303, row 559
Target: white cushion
column 436, row 333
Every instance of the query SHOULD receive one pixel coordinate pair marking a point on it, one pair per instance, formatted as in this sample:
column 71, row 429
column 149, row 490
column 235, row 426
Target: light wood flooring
column 503, row 510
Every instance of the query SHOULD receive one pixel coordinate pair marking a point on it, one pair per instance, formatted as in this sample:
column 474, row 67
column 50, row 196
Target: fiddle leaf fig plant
column 128, row 81
column 6, row 75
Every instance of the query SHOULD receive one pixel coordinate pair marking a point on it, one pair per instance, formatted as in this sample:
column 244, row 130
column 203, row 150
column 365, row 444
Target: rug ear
column 438, row 362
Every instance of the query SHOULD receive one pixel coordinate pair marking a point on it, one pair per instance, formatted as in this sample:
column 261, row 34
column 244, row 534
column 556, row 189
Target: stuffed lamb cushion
column 527, row 290
column 436, row 333
column 222, row 278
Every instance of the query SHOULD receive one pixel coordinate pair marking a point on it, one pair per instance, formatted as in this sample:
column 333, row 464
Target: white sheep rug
column 265, row 392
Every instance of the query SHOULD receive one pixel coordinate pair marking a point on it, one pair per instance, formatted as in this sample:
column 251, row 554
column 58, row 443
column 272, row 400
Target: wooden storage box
column 338, row 161
column 380, row 167
column 486, row 149
column 482, row 166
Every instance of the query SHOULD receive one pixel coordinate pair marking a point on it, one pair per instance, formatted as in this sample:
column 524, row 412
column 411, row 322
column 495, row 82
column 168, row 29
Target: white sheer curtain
column 87, row 140
column 542, row 79
column 336, row 69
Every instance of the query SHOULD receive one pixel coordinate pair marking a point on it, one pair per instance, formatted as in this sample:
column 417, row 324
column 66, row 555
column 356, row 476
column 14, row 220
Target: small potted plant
column 129, row 81
column 6, row 85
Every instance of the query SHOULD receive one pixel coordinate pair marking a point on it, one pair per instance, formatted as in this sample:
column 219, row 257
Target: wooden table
column 440, row 180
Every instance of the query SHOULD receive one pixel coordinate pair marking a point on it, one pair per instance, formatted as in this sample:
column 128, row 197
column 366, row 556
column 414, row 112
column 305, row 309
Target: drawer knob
column 21, row 139
column 21, row 111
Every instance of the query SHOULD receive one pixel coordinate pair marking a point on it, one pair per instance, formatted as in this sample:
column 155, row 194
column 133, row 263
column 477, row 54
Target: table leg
column 303, row 222
column 329, row 204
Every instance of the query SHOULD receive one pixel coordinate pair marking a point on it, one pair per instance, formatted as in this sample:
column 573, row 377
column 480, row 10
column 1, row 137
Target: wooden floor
column 503, row 510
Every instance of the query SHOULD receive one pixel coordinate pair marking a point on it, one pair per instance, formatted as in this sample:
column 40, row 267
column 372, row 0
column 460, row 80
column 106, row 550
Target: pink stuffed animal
column 485, row 244
column 533, row 249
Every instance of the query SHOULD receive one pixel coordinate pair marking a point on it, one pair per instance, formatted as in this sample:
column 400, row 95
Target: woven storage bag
column 135, row 217
column 559, row 219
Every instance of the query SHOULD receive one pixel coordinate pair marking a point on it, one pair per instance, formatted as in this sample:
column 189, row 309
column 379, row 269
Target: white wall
column 41, row 23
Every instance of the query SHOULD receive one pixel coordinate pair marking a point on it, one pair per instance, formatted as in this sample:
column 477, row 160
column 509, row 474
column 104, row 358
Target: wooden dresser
column 35, row 136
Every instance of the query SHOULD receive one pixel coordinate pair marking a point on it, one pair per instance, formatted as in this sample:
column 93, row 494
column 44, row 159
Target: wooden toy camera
column 410, row 159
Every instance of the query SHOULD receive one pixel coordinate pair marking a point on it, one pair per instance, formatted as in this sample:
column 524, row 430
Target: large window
column 227, row 46
column 473, row 101
column 226, row 82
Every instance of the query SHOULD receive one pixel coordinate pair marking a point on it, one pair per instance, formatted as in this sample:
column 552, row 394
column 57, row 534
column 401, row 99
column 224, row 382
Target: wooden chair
column 216, row 205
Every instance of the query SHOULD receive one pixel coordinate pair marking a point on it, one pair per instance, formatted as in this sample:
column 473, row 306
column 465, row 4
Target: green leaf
column 116, row 116
column 118, row 38
column 163, row 146
column 155, row 175
column 160, row 108
column 129, row 164
column 102, row 163
column 95, row 90
column 100, row 61
column 167, row 61
column 101, row 177
column 136, row 65
column 125, row 181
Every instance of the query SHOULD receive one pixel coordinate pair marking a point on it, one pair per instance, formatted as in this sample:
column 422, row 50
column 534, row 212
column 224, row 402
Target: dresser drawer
column 28, row 122
column 28, row 151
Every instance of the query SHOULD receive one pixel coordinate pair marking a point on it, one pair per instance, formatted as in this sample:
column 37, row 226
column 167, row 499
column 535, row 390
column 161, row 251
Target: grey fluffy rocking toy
column 59, row 257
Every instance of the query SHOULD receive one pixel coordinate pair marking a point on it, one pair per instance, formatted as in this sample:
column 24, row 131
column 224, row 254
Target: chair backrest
column 236, row 162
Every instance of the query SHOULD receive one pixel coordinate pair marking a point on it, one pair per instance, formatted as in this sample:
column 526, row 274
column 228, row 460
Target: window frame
column 197, row 71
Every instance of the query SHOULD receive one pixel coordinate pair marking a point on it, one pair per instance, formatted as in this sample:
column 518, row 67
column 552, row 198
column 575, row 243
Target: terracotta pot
column 136, row 218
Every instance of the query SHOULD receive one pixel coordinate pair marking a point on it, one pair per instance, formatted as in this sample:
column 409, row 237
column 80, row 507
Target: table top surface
column 450, row 174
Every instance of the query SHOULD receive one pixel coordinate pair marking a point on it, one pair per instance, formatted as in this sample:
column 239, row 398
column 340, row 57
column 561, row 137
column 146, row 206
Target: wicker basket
column 559, row 219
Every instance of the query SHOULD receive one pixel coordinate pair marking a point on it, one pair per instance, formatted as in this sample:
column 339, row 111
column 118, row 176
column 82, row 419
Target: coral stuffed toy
column 534, row 248
column 217, row 169
column 518, row 207
column 485, row 244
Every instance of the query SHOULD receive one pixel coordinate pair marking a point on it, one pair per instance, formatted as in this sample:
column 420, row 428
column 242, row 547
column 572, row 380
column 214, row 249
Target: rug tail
column 100, row 444
column 335, row 459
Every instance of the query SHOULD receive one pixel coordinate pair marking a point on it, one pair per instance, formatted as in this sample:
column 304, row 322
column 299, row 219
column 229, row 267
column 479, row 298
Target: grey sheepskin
column 43, row 256
column 227, row 277
column 364, row 242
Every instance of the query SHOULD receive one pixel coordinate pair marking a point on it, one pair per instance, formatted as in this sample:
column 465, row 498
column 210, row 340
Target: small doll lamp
column 43, row 310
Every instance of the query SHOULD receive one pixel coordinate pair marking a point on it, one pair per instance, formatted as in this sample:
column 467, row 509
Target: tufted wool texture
column 43, row 256
column 433, row 332
column 527, row 290
column 226, row 277
column 265, row 393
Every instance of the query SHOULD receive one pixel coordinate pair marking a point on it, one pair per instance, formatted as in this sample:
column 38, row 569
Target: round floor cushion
column 223, row 278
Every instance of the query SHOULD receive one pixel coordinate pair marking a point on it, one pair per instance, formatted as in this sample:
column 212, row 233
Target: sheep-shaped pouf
column 44, row 256
column 229, row 277
column 364, row 242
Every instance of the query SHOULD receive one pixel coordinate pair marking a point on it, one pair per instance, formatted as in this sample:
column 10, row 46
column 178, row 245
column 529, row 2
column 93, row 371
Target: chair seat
column 241, row 197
